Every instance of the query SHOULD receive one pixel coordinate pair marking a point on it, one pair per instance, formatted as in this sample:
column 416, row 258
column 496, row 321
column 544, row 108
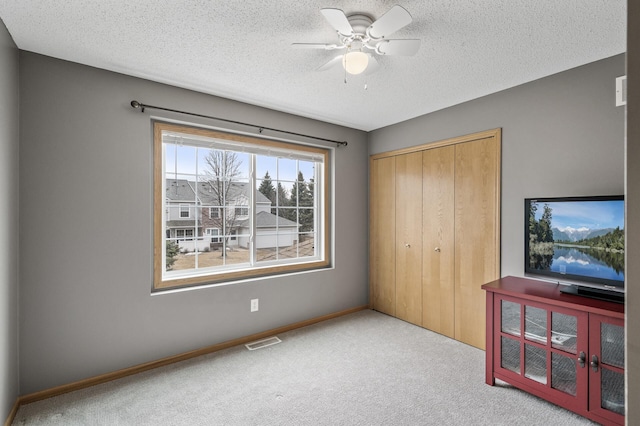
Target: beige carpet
column 362, row 369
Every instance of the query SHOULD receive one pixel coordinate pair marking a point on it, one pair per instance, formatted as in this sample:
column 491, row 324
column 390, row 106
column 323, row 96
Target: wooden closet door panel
column 382, row 239
column 477, row 180
column 438, row 240
column 409, row 237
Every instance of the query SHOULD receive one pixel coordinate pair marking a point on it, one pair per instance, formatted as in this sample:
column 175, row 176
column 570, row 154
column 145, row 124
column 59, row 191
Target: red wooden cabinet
column 564, row 348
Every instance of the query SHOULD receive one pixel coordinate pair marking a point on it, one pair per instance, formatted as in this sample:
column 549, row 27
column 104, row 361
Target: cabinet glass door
column 546, row 345
column 607, row 366
column 510, row 344
column 535, row 357
column 564, row 333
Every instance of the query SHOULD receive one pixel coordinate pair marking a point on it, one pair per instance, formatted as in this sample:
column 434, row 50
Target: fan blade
column 316, row 46
column 338, row 20
column 398, row 47
column 395, row 18
column 333, row 62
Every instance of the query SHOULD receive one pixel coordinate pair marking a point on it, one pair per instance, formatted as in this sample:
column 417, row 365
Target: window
column 255, row 207
column 184, row 234
column 213, row 232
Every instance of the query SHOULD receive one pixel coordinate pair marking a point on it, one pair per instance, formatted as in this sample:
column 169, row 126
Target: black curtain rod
column 136, row 104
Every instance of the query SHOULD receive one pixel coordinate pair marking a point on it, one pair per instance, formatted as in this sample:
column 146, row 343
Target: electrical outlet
column 254, row 305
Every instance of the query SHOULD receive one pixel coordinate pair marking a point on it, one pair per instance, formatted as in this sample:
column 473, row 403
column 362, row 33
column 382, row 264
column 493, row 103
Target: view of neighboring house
column 214, row 218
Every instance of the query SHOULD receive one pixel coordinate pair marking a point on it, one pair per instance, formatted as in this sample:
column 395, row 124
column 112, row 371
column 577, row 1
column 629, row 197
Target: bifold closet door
column 438, row 240
column 409, row 237
column 477, row 234
column 382, row 255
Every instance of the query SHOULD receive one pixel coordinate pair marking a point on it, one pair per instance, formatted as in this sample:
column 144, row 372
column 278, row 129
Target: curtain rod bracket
column 138, row 105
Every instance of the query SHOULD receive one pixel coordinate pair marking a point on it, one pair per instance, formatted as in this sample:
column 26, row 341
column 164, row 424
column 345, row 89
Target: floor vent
column 259, row 344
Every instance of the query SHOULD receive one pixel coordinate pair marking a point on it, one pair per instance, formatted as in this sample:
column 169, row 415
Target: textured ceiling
column 241, row 49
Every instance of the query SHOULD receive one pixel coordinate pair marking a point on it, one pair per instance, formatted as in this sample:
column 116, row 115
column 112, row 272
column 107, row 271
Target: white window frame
column 256, row 146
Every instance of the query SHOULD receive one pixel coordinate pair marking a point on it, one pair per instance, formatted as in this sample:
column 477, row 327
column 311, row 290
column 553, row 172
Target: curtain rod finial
column 136, row 104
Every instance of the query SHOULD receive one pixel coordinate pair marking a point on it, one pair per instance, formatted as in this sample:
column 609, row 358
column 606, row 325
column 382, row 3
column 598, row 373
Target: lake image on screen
column 583, row 238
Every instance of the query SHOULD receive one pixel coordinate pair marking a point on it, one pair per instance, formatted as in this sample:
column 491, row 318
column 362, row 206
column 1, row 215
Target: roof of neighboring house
column 269, row 220
column 183, row 190
column 180, row 190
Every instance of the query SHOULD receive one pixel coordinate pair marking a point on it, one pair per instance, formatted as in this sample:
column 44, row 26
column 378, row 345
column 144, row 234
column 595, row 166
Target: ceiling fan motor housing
column 360, row 22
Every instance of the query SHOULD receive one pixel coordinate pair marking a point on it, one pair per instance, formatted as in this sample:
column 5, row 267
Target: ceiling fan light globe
column 355, row 62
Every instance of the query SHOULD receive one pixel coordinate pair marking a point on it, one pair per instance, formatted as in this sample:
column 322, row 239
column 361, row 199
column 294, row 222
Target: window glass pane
column 287, row 169
column 267, row 245
column 179, row 187
column 213, row 221
column 306, row 171
column 225, row 165
column 305, row 194
column 234, row 254
column 306, row 218
column 266, row 164
column 183, row 158
column 265, row 195
column 283, row 192
column 210, row 162
column 306, row 245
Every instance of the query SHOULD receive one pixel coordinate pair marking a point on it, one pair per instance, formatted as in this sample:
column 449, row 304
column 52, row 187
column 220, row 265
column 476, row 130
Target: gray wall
column 86, row 230
column 9, row 137
column 561, row 136
column 632, row 268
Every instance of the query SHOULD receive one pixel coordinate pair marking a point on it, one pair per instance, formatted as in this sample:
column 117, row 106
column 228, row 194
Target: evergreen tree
column 533, row 223
column 302, row 199
column 282, row 201
column 267, row 189
column 546, row 233
column 171, row 254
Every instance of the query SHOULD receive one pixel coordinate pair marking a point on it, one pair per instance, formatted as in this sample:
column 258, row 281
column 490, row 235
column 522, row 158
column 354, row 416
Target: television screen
column 578, row 239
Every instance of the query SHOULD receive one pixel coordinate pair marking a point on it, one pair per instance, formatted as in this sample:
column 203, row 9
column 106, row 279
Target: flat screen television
column 577, row 241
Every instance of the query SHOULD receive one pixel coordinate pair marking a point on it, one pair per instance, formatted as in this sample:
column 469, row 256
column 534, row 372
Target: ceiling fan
column 361, row 38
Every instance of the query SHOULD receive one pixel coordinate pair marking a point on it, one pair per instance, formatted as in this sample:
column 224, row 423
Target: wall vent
column 621, row 91
column 259, row 344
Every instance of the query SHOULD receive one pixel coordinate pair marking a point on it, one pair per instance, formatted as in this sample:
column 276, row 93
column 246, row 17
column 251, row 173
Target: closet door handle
column 407, row 245
column 437, row 249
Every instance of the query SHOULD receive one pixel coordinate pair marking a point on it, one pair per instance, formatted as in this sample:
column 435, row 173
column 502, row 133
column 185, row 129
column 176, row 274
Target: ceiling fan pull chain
column 345, row 69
